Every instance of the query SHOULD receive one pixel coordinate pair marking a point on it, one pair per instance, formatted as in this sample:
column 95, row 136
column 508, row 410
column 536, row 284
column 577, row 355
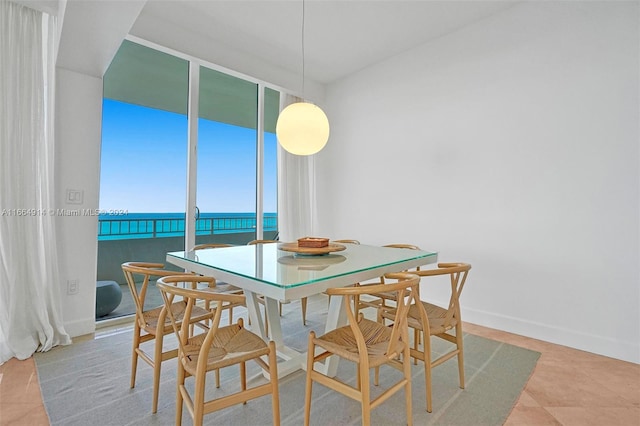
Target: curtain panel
column 30, row 313
column 296, row 189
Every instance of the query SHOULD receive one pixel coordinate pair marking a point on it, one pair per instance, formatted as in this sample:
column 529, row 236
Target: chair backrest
column 169, row 289
column 402, row 246
column 347, row 241
column 406, row 291
column 146, row 270
column 251, row 243
column 211, row 245
column 458, row 276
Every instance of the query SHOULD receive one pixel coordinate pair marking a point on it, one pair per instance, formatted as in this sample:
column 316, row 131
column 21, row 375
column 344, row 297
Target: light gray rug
column 88, row 384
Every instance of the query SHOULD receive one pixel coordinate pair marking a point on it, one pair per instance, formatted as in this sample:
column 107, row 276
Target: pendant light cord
column 303, row 50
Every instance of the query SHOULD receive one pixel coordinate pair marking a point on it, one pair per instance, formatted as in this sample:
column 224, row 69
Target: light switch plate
column 75, row 196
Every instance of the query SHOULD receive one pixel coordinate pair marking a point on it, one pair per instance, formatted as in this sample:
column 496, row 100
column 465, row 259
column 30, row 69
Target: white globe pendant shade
column 302, row 128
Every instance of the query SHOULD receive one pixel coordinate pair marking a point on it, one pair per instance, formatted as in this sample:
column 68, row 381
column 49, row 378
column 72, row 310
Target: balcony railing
column 112, row 229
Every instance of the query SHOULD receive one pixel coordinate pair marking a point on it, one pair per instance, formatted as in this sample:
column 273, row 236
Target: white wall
column 78, row 135
column 90, row 34
column 511, row 144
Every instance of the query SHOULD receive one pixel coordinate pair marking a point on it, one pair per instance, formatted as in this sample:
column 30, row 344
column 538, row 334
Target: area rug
column 87, row 383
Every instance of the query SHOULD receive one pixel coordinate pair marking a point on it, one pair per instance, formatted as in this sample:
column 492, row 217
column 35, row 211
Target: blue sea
column 157, row 225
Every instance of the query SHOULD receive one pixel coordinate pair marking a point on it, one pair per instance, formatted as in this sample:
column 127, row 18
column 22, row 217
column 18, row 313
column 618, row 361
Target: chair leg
column 230, row 315
column 273, row 376
column 365, row 393
column 309, row 382
column 198, row 401
column 134, row 354
column 157, row 365
column 303, row 302
column 459, row 344
column 243, row 377
column 179, row 383
column 427, row 368
column 406, row 364
column 218, row 378
column 416, row 342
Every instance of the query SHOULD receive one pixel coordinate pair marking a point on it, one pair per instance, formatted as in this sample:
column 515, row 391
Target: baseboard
column 80, row 327
column 113, row 322
column 601, row 345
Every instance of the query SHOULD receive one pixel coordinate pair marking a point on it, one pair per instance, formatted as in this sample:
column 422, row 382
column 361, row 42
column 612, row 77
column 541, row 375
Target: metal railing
column 171, row 227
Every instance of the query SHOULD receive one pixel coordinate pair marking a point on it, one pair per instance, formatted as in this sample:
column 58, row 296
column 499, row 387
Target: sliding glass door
column 188, row 157
column 226, row 161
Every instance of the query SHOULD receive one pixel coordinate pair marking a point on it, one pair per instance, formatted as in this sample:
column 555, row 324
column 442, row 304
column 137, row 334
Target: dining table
column 283, row 272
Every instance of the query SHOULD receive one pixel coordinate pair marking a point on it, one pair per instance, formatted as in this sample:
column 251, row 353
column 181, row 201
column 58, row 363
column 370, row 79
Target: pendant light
column 302, row 128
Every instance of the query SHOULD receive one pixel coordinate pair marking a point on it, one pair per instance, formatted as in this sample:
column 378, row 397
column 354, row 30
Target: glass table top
column 267, row 264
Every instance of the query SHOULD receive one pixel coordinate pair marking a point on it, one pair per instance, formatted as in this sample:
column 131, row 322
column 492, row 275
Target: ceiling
column 262, row 38
column 340, row 37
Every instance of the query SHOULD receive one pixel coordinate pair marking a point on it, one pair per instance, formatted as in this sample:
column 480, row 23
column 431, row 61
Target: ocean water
column 157, row 225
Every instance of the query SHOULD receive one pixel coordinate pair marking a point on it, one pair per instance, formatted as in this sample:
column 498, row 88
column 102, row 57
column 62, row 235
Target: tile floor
column 572, row 387
column 567, row 387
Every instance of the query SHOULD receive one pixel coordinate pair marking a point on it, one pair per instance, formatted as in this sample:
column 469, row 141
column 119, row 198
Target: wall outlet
column 73, row 287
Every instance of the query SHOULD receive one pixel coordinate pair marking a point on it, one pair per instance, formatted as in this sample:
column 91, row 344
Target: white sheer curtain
column 30, row 313
column 296, row 190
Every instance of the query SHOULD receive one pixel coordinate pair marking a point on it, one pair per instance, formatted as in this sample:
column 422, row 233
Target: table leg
column 273, row 317
column 337, row 317
column 291, row 360
column 253, row 308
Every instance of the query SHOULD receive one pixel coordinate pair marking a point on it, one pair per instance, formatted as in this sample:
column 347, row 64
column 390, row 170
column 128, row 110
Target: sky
column 144, row 163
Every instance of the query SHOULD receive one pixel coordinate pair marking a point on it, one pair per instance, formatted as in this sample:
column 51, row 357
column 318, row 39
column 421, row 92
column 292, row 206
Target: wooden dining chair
column 381, row 301
column 303, row 301
column 221, row 286
column 343, row 242
column 346, row 241
column 431, row 320
column 211, row 245
column 368, row 344
column 153, row 324
column 217, row 348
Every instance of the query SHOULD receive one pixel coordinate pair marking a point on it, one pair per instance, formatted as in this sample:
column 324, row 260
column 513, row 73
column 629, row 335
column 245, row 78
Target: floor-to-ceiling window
column 270, row 182
column 145, row 190
column 226, row 169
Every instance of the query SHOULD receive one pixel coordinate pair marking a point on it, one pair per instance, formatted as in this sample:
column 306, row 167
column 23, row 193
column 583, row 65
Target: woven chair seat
column 222, row 287
column 436, row 315
column 151, row 316
column 342, row 342
column 386, row 295
column 232, row 344
column 228, row 288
